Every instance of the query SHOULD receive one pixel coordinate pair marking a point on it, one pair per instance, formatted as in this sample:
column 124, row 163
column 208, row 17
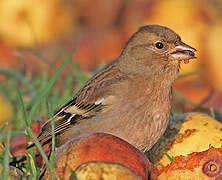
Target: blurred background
column 36, row 35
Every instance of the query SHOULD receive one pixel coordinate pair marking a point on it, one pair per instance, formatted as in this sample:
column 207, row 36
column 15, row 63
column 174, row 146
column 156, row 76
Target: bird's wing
column 87, row 103
column 69, row 115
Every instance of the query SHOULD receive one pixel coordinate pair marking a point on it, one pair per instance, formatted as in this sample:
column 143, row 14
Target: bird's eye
column 159, row 45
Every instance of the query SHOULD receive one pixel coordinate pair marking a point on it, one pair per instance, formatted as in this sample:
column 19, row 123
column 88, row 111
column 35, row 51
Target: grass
column 212, row 112
column 171, row 158
column 32, row 103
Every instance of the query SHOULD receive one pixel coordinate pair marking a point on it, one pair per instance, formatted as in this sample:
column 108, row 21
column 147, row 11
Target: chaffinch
column 131, row 97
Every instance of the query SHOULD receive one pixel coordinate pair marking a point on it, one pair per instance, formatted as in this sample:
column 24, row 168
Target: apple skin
column 98, row 147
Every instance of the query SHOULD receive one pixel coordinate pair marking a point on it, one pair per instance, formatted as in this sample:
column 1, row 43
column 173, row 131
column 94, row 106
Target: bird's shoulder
column 101, row 84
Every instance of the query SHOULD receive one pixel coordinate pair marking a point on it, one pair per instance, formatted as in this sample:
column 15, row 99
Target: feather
column 69, row 116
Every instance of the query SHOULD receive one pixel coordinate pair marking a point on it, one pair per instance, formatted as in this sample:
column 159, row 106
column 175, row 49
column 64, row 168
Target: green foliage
column 33, row 99
column 212, row 112
column 171, row 158
column 74, row 175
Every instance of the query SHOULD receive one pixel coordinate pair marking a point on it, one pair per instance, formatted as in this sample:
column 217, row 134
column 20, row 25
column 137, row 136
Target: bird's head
column 156, row 48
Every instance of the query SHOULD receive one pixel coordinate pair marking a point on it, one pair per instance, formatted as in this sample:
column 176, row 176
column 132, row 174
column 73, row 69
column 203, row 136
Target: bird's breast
column 139, row 115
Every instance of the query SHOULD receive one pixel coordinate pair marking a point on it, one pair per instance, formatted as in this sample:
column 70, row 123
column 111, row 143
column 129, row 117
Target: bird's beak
column 182, row 52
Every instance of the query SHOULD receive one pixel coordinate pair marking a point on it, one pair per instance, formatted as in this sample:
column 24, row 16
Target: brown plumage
column 131, row 97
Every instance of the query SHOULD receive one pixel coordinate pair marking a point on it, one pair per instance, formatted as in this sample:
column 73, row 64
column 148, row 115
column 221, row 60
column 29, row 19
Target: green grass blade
column 212, row 112
column 42, row 94
column 5, row 173
column 74, row 175
column 38, row 145
column 33, row 168
column 3, row 127
column 23, row 106
column 12, row 134
column 51, row 82
column 171, row 158
column 30, row 152
column 29, row 132
column 13, row 74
